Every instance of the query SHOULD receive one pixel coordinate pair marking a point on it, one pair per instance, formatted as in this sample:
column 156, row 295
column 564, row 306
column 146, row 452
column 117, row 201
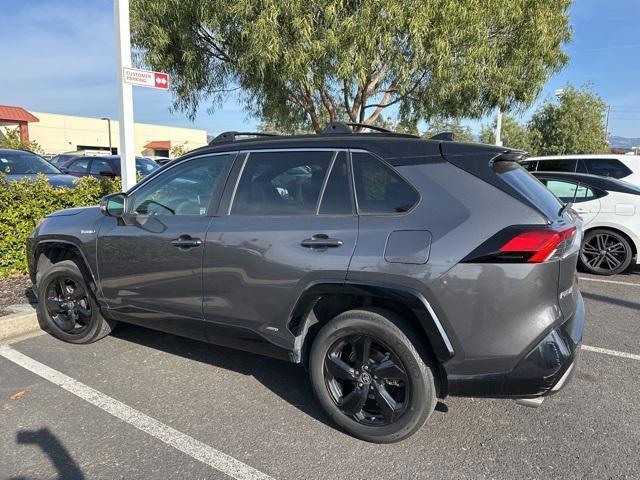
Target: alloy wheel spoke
column 354, row 401
column 362, row 349
column 83, row 313
column 588, row 248
column 388, row 406
column 55, row 306
column 339, row 368
column 389, row 370
column 78, row 293
column 62, row 287
column 614, row 260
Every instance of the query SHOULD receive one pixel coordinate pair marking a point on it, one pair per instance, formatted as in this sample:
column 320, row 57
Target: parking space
column 262, row 413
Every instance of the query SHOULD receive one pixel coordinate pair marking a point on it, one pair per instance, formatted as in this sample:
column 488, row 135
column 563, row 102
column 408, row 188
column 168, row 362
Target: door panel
column 256, row 268
column 150, row 263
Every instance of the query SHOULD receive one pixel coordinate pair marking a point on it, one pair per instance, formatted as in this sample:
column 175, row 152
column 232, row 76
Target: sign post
column 125, row 94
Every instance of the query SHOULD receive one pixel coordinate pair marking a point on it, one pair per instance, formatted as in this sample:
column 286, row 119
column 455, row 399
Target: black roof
column 595, row 181
column 397, row 149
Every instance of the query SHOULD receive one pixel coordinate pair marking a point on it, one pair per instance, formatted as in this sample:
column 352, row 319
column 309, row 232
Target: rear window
column 607, row 167
column 529, row 187
column 559, row 165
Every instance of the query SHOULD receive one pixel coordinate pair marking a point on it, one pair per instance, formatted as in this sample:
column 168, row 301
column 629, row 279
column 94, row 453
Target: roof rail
column 230, row 136
column 343, row 127
column 446, row 136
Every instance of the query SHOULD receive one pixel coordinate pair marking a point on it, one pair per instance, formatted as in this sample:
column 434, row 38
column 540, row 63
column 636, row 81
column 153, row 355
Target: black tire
column 617, row 257
column 66, row 306
column 414, row 392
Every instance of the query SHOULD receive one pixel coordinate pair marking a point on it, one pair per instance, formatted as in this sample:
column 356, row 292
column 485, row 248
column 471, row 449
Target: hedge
column 24, row 202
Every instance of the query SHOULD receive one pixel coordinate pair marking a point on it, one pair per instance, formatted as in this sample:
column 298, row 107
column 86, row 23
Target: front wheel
column 605, row 252
column 370, row 378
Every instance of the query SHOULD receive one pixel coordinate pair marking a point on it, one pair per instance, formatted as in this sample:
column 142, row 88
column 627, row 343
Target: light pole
column 499, row 128
column 109, row 127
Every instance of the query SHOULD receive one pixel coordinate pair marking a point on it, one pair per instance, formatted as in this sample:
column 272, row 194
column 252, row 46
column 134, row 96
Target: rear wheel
column 605, row 252
column 66, row 306
column 369, row 376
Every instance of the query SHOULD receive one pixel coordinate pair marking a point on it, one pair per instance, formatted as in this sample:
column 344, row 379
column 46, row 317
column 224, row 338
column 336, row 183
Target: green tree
column 574, row 123
column 11, row 139
column 513, row 134
column 301, row 63
column 460, row 132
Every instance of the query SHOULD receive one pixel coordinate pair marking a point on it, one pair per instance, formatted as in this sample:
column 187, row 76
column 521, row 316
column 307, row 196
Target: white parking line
column 172, row 437
column 615, row 282
column 615, row 353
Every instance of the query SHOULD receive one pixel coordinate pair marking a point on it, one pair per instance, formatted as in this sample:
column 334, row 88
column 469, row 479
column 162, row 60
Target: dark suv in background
column 399, row 270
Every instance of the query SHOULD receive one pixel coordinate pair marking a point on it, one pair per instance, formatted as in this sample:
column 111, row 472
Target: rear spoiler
column 511, row 156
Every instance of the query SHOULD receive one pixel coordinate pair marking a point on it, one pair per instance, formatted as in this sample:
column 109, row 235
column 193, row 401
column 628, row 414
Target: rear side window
column 379, row 189
column 530, row 166
column 99, row 166
column 607, row 167
column 529, row 187
column 557, row 165
column 570, row 191
column 281, row 183
column 79, row 166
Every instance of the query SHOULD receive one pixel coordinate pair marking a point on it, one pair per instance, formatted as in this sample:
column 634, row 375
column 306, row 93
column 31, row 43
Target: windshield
column 145, row 166
column 19, row 162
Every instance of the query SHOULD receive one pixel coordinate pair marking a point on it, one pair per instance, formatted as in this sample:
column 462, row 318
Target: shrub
column 24, row 202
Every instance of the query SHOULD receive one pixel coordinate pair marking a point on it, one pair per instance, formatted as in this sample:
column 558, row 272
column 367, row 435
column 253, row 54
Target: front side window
column 607, row 167
column 79, row 166
column 379, row 189
column 186, row 189
column 558, row 165
column 100, row 166
column 281, row 183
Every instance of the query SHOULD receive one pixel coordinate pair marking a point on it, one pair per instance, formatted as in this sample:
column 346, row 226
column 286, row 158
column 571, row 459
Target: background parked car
column 624, row 167
column 62, row 158
column 19, row 164
column 610, row 210
column 160, row 160
column 105, row 166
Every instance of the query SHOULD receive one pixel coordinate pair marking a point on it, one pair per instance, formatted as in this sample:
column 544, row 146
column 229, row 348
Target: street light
column 109, row 127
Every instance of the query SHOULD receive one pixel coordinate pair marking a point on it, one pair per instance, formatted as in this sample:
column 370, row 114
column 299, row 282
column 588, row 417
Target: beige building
column 68, row 133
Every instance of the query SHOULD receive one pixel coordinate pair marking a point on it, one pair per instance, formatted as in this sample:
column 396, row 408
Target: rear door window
column 79, row 166
column 100, row 166
column 607, row 167
column 570, row 191
column 379, row 189
column 337, row 198
column 557, row 165
column 281, row 183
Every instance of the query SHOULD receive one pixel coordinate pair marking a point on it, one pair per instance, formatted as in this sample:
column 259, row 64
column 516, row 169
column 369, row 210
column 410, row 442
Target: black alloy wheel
column 605, row 252
column 68, row 305
column 366, row 380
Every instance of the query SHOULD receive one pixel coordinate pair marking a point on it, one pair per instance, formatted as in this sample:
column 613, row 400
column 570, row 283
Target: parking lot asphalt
column 181, row 405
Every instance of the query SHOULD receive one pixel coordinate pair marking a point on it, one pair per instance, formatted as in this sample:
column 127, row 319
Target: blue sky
column 58, row 56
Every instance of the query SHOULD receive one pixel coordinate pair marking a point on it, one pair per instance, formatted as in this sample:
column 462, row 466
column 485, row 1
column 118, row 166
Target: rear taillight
column 524, row 244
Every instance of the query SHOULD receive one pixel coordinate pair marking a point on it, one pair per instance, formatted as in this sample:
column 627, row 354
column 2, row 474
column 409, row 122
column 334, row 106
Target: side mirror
column 114, row 205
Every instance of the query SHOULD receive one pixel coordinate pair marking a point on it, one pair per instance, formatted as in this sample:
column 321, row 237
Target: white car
column 622, row 167
column 610, row 210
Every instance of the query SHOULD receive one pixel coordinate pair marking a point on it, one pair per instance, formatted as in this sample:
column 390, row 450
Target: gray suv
column 397, row 270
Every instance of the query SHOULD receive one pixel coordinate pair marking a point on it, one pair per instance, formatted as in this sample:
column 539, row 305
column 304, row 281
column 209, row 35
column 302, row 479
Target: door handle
column 185, row 242
column 321, row 241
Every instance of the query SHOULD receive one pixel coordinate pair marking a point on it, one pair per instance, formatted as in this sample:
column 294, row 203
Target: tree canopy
column 301, row 63
column 11, row 139
column 513, row 134
column 460, row 132
column 574, row 123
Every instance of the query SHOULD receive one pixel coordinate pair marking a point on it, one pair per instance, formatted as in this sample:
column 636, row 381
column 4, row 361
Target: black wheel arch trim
column 302, row 315
column 38, row 249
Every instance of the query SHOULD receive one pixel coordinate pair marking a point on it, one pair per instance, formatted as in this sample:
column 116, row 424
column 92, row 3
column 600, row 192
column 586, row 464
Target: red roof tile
column 159, row 144
column 16, row 114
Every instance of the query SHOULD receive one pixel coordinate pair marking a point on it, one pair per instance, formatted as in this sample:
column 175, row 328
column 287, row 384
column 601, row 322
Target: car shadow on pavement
column 614, row 301
column 59, row 456
column 287, row 380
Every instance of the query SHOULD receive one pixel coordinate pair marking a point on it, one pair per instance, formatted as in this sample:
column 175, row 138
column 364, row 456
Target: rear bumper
column 544, row 370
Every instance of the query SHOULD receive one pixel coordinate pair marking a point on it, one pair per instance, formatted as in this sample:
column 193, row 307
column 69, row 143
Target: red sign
column 145, row 78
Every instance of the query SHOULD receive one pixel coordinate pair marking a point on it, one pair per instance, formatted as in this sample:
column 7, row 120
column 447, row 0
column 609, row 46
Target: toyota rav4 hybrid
column 397, row 270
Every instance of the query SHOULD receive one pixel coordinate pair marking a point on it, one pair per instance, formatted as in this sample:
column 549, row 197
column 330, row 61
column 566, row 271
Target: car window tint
column 557, row 165
column 607, row 167
column 530, row 166
column 570, row 191
column 79, row 166
column 336, row 199
column 281, row 183
column 20, row 162
column 379, row 189
column 185, row 189
column 581, row 167
column 99, row 165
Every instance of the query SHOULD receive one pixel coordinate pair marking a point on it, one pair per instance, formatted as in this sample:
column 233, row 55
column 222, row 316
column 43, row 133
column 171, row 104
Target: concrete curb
column 18, row 324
